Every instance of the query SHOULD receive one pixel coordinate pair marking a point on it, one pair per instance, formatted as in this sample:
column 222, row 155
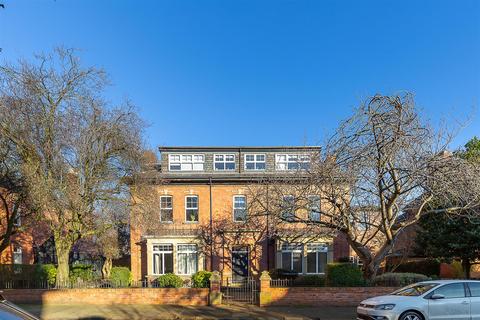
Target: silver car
column 429, row 300
column 9, row 311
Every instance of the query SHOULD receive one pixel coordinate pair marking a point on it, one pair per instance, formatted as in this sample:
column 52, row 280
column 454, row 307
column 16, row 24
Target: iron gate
column 240, row 291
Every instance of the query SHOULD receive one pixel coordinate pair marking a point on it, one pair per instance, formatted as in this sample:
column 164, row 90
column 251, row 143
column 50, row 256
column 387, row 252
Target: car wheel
column 411, row 315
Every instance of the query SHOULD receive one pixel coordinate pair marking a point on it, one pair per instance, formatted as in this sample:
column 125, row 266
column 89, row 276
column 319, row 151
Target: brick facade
column 307, row 296
column 215, row 191
column 182, row 296
column 21, row 243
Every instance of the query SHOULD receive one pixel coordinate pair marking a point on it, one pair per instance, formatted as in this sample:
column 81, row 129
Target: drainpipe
column 268, row 231
column 211, row 225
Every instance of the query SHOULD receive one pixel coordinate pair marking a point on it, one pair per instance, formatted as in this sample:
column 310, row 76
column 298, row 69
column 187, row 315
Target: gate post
column 215, row 296
column 265, row 293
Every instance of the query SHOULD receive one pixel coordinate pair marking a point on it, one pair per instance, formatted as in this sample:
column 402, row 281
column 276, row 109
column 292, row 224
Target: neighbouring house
column 202, row 200
column 20, row 248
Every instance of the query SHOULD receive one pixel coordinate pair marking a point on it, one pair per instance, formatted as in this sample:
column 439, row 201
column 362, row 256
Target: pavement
column 170, row 312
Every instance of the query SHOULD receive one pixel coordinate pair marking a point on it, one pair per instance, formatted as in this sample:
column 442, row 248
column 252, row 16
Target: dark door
column 239, row 263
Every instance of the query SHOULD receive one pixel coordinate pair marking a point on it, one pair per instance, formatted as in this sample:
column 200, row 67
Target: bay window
column 316, row 257
column 162, row 258
column 187, row 259
column 292, row 254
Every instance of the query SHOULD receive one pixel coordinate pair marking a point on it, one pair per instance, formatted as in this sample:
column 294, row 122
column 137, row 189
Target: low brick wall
column 309, row 296
column 182, row 296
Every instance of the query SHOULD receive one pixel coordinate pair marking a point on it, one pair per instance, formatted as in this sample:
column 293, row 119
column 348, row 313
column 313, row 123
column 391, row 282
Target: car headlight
column 389, row 306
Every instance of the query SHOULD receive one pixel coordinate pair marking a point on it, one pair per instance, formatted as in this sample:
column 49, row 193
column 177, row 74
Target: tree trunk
column 466, row 266
column 107, row 268
column 63, row 269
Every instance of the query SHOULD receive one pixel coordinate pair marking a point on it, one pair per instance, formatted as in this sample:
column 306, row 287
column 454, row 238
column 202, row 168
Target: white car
column 429, row 300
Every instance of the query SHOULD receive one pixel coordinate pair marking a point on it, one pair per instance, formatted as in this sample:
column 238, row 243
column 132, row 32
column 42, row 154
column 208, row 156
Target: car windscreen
column 415, row 290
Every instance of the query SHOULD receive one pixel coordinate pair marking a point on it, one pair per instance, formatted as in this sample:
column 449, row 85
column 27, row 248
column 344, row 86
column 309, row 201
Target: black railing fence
column 91, row 284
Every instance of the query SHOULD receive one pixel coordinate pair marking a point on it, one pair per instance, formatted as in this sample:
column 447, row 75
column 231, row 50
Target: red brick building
column 20, row 249
column 203, row 196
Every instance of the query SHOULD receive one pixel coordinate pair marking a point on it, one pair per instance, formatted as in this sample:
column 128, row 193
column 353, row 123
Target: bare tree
column 13, row 196
column 381, row 171
column 75, row 149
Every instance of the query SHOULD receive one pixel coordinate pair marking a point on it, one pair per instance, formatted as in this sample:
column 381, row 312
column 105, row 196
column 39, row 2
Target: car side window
column 452, row 290
column 474, row 288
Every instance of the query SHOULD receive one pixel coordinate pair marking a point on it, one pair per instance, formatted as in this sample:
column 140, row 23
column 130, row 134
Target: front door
column 239, row 263
column 454, row 305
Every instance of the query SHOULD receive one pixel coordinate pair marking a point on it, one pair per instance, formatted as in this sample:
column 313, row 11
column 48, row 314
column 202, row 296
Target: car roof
column 449, row 281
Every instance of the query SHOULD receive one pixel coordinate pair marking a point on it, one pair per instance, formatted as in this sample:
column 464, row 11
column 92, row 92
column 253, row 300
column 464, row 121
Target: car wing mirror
column 437, row 296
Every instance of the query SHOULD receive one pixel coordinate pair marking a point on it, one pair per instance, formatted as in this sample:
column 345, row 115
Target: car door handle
column 465, row 302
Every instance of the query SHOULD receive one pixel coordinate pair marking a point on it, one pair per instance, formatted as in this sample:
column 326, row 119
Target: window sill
column 191, row 222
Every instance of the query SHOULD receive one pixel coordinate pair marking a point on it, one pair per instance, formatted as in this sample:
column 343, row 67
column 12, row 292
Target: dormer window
column 224, row 162
column 292, row 162
column 255, row 162
column 186, row 162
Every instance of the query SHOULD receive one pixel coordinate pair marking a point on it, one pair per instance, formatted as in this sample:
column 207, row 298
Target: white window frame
column 17, row 250
column 187, row 252
column 224, row 161
column 171, row 209
column 17, row 222
column 162, row 254
column 310, row 207
column 284, row 207
column 172, row 160
column 282, row 165
column 188, row 208
column 292, row 248
column 255, row 161
column 233, row 206
column 316, row 250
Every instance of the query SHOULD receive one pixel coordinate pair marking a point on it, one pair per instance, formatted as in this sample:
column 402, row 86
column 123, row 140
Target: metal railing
column 92, row 284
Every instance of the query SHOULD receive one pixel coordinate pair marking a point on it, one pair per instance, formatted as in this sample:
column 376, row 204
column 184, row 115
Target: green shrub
column 82, row 272
column 282, row 274
column 46, row 272
column 121, row 276
column 169, row 280
column 201, row 279
column 429, row 267
column 457, row 269
column 398, row 279
column 344, row 275
column 310, row 280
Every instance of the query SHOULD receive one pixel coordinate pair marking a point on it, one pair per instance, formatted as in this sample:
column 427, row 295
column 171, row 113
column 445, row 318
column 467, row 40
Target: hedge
column 121, row 276
column 282, row 274
column 390, row 279
column 429, row 267
column 310, row 280
column 169, row 280
column 46, row 272
column 83, row 272
column 201, row 279
column 344, row 275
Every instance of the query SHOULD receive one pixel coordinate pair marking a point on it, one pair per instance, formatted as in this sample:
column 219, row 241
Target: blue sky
column 262, row 72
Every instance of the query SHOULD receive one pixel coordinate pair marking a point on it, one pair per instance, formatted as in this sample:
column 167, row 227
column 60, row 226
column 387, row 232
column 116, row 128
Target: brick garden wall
column 310, row 296
column 182, row 296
